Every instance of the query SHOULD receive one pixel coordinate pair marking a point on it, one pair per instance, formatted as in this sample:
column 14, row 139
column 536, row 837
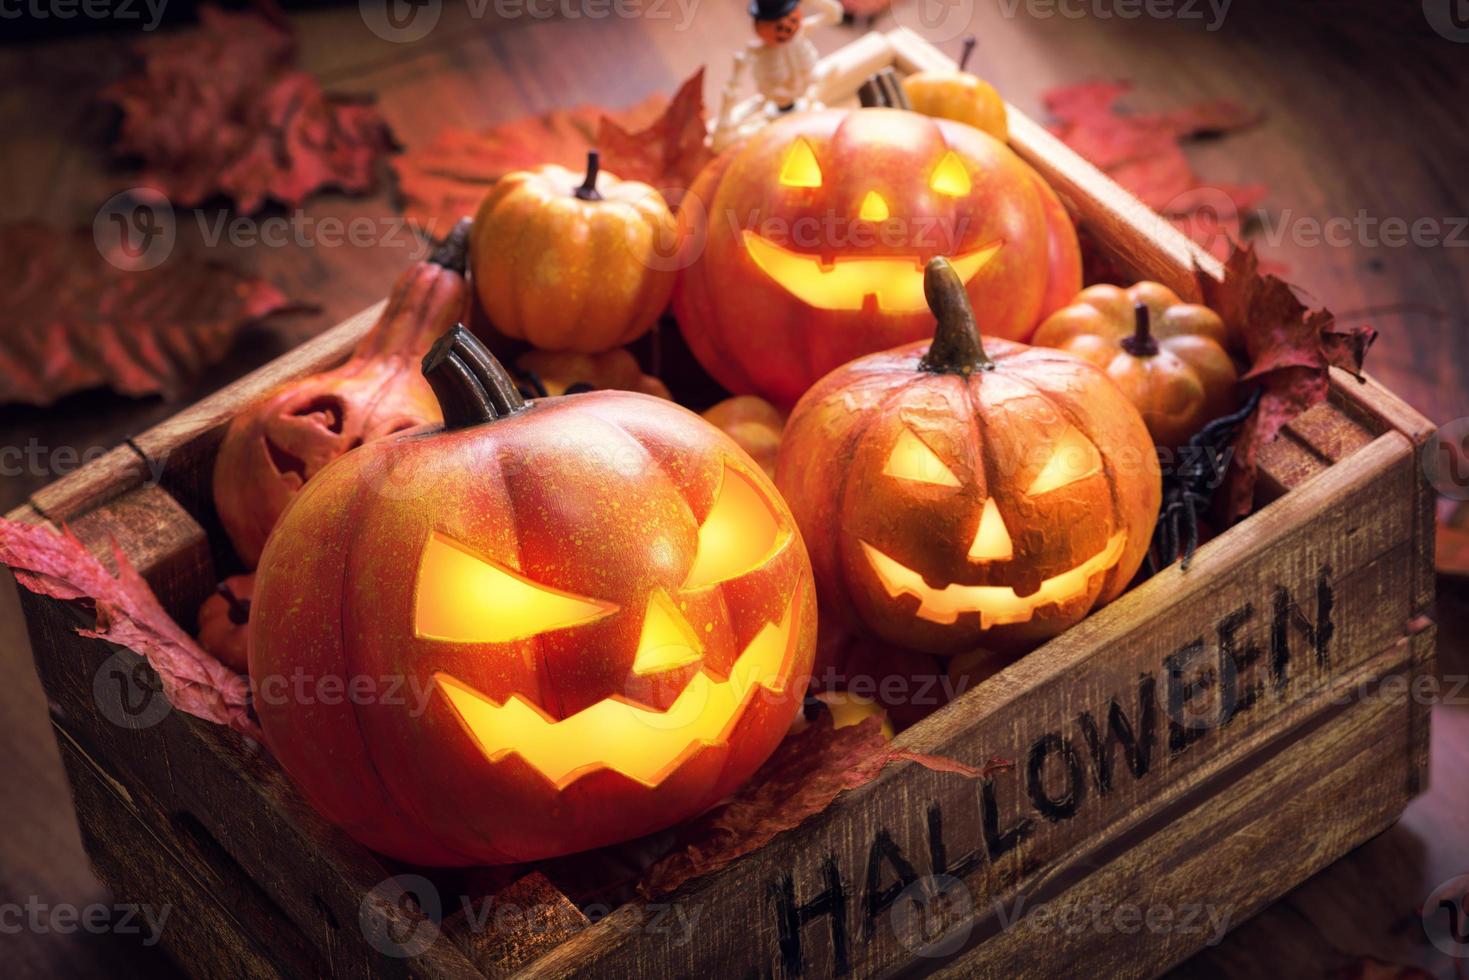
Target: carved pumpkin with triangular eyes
column 958, row 495
column 575, row 621
column 807, row 244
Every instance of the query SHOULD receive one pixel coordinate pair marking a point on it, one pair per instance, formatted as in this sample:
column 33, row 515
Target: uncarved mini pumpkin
column 960, row 96
column 754, row 424
column 573, row 263
column 596, row 613
column 956, row 494
column 1169, row 357
column 560, row 372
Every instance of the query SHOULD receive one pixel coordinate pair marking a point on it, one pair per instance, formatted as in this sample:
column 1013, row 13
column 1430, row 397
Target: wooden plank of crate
column 1249, row 598
column 1336, row 782
column 214, row 914
column 1130, row 231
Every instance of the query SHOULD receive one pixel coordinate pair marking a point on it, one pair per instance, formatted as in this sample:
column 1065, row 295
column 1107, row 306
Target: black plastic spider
column 1189, row 488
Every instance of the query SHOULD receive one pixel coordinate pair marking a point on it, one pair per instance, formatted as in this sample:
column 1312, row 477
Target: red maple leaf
column 1289, row 348
column 128, row 614
column 220, row 109
column 77, row 320
column 656, row 141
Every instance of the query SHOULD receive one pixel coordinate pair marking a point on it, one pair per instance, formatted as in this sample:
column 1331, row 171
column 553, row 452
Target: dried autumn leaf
column 800, row 779
column 128, row 614
column 1143, row 153
column 76, row 320
column 657, row 141
column 1289, row 348
column 668, row 154
column 220, row 109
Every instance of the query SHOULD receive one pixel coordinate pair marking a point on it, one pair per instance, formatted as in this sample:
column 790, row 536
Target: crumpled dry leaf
column 668, row 154
column 653, row 141
column 128, row 614
column 800, row 779
column 76, row 320
column 1289, row 349
column 220, row 109
column 1143, row 153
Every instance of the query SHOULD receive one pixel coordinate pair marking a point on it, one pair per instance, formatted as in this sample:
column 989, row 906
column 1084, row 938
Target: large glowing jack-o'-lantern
column 570, row 622
column 956, row 495
column 808, row 242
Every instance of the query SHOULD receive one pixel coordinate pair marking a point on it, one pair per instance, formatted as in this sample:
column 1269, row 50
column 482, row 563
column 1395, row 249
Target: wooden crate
column 1204, row 743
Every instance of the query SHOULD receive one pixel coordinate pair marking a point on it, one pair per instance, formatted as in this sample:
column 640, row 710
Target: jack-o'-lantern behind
column 957, row 495
column 808, row 243
column 571, row 622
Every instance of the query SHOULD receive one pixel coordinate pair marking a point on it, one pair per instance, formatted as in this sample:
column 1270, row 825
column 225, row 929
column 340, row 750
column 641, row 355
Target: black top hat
column 772, row 9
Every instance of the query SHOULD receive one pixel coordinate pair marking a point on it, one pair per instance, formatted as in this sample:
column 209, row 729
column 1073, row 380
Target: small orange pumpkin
column 959, row 96
column 573, row 264
column 955, row 494
column 1169, row 357
column 285, row 437
column 224, row 621
column 754, row 424
column 562, row 372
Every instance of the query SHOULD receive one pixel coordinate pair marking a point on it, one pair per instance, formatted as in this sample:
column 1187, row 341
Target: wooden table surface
column 1363, row 123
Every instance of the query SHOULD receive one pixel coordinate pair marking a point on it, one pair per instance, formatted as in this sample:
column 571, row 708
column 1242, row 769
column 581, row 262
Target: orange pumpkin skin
column 892, row 464
column 754, row 424
column 756, row 244
column 558, row 371
column 287, row 435
column 224, row 619
column 571, row 268
column 960, row 96
column 1177, row 371
column 600, row 495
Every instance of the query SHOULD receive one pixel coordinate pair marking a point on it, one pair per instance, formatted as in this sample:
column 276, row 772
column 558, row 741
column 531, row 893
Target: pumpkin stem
column 471, row 386
column 883, row 91
column 239, row 608
column 453, row 252
column 969, row 43
column 588, row 189
column 956, row 347
column 1142, row 342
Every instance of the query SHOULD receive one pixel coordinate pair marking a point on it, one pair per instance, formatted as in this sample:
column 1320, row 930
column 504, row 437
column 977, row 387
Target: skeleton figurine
column 782, row 61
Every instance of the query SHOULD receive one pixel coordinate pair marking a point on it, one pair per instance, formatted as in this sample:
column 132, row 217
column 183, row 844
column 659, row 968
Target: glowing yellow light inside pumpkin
column 847, row 281
column 992, row 540
column 463, row 598
column 874, row 208
column 997, row 605
column 1072, row 458
column 739, row 534
column 800, row 169
column 849, row 709
column 910, row 459
column 951, row 177
column 642, row 744
column 668, row 641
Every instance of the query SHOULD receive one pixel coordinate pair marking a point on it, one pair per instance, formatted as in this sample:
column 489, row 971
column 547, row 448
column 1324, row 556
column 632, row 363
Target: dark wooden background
column 1364, row 108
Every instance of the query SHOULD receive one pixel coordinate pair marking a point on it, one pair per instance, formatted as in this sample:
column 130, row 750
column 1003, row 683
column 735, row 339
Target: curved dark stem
column 1142, row 343
column 471, row 386
column 969, row 43
column 239, row 608
column 883, row 91
column 956, row 347
column 588, row 189
column 453, row 252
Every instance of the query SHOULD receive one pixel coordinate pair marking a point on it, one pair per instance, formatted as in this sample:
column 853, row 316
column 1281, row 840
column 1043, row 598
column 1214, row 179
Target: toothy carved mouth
column 845, row 282
column 643, row 744
column 997, row 605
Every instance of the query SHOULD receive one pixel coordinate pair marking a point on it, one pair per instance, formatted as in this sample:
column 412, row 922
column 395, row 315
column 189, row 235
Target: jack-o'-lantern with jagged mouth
column 965, row 494
column 807, row 243
column 573, row 622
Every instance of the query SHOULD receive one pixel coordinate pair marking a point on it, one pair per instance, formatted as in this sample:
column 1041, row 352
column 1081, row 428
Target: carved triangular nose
column 668, row 641
column 992, row 539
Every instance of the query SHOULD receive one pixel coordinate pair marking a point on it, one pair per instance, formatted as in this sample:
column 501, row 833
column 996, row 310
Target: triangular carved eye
column 1072, row 458
column 461, row 597
column 667, row 642
column 951, row 177
column 739, row 535
column 800, row 169
column 911, row 460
